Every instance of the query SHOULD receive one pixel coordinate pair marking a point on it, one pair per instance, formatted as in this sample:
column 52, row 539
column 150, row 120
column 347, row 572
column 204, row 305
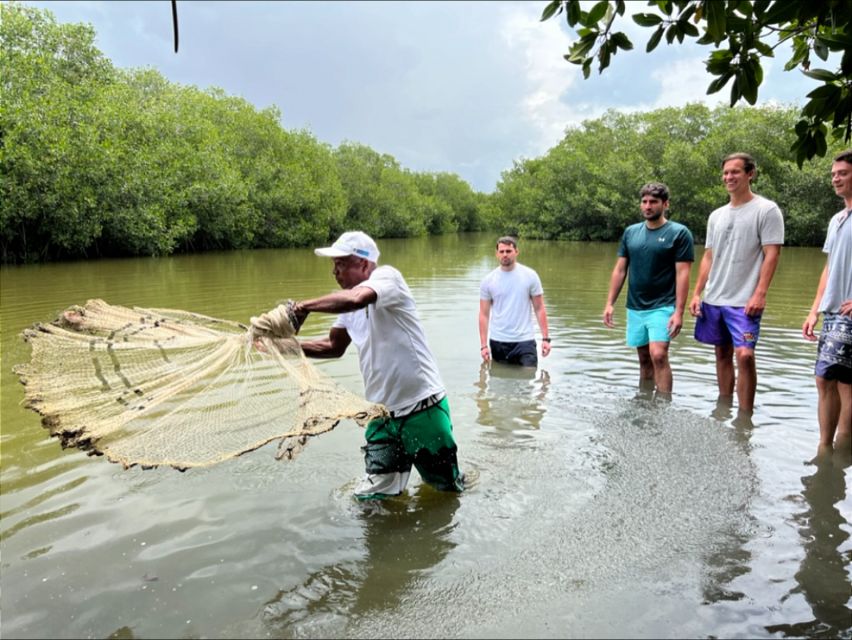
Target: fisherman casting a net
column 378, row 313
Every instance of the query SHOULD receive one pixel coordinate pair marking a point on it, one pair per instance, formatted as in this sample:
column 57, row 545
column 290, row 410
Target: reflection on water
column 403, row 539
column 601, row 510
column 511, row 397
column 823, row 576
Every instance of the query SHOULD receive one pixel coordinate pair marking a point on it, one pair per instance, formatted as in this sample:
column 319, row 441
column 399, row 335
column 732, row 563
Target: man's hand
column 485, row 352
column 846, row 308
column 756, row 304
column 297, row 314
column 675, row 324
column 809, row 326
column 607, row 317
column 695, row 306
column 545, row 349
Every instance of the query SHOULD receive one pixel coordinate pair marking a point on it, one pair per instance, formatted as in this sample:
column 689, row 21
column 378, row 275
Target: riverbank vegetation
column 101, row 161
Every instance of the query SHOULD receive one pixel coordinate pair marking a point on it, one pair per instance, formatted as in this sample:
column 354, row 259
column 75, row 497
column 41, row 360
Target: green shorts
column 423, row 439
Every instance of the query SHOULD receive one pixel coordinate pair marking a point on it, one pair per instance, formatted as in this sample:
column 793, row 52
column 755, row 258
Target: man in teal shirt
column 655, row 256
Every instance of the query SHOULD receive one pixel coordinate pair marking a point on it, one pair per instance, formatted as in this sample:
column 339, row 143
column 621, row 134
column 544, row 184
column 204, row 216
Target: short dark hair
column 748, row 162
column 655, row 190
column 506, row 240
column 844, row 156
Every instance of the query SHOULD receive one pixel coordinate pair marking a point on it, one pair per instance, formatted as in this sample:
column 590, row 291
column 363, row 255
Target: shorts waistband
column 420, row 405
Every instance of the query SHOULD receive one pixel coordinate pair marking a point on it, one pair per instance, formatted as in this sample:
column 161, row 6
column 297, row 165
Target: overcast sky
column 465, row 87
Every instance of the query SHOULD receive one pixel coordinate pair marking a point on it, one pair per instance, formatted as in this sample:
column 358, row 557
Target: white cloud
column 683, row 81
column 547, row 77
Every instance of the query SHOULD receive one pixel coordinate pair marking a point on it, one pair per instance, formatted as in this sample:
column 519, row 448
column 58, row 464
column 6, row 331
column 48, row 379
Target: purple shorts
column 834, row 354
column 721, row 325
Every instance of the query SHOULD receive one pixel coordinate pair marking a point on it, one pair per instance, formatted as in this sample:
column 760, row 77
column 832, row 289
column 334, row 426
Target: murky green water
column 597, row 512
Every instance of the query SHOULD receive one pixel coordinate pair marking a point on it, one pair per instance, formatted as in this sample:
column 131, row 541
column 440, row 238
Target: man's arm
column 337, row 302
column 338, row 338
column 616, row 281
column 813, row 316
column 484, row 317
column 681, row 290
column 701, row 282
column 757, row 303
column 541, row 316
column 332, row 346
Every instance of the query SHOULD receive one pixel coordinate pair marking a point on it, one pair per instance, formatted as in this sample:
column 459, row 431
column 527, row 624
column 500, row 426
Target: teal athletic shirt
column 651, row 256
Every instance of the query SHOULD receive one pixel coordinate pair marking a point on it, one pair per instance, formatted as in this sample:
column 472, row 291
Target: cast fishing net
column 157, row 387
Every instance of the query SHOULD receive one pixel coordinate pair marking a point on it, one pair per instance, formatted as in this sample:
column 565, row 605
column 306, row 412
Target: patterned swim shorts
column 834, row 354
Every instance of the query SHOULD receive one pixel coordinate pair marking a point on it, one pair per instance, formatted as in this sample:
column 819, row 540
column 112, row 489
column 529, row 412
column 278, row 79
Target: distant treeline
column 99, row 161
column 587, row 186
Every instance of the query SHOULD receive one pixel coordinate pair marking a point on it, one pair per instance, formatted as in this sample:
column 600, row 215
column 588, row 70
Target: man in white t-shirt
column 377, row 313
column 833, row 368
column 508, row 296
column 741, row 252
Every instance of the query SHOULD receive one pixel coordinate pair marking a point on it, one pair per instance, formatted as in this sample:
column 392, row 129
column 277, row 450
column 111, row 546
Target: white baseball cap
column 351, row 243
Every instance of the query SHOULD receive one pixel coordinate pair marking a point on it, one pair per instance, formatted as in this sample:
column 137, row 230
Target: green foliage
column 98, row 161
column 748, row 31
column 587, row 186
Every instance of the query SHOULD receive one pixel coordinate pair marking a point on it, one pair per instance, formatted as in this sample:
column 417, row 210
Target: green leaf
column 716, row 20
column 604, row 54
column 820, row 146
column 735, row 90
column 622, row 41
column 573, row 12
column 748, row 84
column 814, row 107
column 671, row 32
column 781, row 13
column 719, row 83
column 821, row 74
column 836, row 41
column 821, row 49
column 647, row 19
column 587, row 68
column 597, row 12
column 551, row 9
column 690, row 29
column 654, row 40
column 760, row 7
column 764, row 49
column 825, row 91
column 846, row 63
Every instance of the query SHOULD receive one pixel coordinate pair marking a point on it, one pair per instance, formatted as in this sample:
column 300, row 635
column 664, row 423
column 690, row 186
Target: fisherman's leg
column 387, row 465
column 428, row 439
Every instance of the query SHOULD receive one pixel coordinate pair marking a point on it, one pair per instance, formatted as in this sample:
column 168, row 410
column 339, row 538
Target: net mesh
column 157, row 387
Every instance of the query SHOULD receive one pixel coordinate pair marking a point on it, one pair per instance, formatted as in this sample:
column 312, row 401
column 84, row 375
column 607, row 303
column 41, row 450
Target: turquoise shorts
column 651, row 325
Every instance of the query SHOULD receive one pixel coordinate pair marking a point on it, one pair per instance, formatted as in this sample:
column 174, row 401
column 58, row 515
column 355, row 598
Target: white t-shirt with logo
column 397, row 365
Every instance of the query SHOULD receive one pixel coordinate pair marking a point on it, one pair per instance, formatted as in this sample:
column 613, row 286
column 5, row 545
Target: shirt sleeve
column 622, row 245
column 485, row 290
column 772, row 226
column 686, row 246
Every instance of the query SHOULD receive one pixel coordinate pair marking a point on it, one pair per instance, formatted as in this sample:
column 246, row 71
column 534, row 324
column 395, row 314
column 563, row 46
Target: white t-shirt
column 509, row 293
column 397, row 364
column 737, row 235
column 838, row 246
